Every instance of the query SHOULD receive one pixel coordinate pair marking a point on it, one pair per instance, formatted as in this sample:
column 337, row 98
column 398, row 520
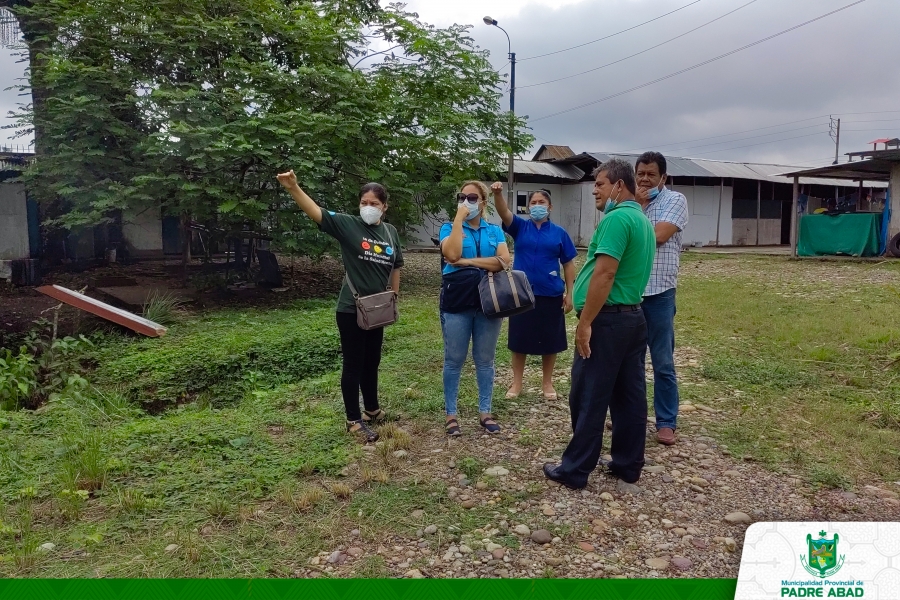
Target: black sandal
column 489, row 427
column 363, row 431
column 376, row 417
column 453, row 429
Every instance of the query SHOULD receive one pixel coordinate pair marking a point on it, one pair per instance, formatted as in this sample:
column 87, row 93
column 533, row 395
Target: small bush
column 162, row 307
column 223, row 357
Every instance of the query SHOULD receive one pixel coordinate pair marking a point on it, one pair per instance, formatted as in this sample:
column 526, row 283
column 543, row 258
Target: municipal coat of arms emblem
column 824, row 559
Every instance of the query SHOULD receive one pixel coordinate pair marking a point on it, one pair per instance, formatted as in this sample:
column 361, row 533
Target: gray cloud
column 843, row 64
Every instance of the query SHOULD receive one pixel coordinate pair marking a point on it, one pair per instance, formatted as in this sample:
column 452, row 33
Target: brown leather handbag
column 375, row 310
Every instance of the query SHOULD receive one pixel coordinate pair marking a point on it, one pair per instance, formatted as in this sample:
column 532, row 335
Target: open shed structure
column 882, row 166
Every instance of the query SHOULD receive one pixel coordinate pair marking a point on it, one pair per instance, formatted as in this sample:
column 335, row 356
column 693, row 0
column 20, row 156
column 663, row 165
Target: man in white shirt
column 668, row 212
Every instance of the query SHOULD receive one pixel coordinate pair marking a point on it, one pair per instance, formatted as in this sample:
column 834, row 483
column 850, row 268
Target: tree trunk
column 185, row 244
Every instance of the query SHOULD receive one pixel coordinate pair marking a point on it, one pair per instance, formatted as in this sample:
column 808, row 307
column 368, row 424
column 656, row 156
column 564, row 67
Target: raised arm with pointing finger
column 506, row 215
column 306, row 204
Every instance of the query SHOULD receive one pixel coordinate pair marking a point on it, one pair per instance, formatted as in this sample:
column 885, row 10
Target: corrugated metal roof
column 676, row 166
column 703, row 167
column 545, row 169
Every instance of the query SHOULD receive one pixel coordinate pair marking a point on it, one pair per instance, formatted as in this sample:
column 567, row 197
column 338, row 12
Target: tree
column 194, row 105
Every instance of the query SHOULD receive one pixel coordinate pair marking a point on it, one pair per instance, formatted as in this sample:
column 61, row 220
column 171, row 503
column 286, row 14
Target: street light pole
column 512, row 112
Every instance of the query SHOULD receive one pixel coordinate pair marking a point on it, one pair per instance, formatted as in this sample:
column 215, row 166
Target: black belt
column 615, row 308
column 620, row 308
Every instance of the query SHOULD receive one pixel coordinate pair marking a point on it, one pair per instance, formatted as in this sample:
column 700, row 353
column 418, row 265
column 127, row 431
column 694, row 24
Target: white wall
column 703, row 213
column 13, row 222
column 143, row 231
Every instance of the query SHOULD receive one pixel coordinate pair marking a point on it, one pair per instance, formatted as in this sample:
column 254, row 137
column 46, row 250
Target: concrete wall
column 745, row 232
column 143, row 232
column 704, row 212
column 13, row 222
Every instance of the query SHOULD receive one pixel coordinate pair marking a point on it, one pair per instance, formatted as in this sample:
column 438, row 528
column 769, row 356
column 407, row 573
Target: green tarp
column 853, row 234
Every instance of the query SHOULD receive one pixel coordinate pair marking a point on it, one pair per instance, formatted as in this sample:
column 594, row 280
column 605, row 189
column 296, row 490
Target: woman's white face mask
column 370, row 214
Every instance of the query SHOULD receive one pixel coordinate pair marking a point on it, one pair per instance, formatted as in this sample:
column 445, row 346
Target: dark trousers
column 361, row 350
column 611, row 379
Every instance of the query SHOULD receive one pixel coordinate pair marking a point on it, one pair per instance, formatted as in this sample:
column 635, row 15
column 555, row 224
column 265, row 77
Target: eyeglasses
column 468, row 197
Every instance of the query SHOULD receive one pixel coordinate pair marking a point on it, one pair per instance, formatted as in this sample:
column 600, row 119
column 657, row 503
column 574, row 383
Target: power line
column 762, row 143
column 608, row 36
column 680, row 148
column 700, row 64
column 615, row 62
column 712, row 137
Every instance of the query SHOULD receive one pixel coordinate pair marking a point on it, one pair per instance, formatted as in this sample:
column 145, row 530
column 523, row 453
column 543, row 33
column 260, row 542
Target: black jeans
column 611, row 379
column 361, row 351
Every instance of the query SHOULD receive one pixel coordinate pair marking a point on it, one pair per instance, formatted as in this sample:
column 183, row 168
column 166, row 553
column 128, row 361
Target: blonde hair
column 482, row 189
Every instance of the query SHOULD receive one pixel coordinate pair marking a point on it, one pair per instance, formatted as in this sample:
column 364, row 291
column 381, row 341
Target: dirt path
column 685, row 518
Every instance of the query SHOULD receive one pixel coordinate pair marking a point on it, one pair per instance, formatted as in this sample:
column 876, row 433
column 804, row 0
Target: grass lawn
column 219, row 450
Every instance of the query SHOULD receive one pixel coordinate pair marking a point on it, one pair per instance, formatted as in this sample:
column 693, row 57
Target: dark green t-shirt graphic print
column 369, row 254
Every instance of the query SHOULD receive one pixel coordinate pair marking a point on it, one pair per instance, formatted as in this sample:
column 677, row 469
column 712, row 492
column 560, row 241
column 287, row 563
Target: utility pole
column 835, row 133
column 510, row 178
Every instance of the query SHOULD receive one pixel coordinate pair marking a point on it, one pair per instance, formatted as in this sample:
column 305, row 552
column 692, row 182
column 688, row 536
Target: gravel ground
column 685, row 518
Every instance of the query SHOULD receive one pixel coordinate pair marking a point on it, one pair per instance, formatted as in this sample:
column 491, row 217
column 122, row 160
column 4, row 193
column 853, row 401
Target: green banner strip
column 393, row 589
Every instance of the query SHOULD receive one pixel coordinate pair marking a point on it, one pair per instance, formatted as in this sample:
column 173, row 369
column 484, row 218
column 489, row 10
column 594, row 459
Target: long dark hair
column 376, row 188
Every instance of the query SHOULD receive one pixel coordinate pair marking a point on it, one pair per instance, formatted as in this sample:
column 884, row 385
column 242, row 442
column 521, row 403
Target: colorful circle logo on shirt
column 366, row 246
column 378, row 249
column 389, row 251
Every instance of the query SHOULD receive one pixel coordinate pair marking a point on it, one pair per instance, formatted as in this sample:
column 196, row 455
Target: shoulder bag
column 505, row 293
column 459, row 288
column 376, row 310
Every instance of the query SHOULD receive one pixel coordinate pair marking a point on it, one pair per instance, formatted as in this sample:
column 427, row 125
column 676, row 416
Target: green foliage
column 162, row 308
column 744, row 371
column 223, row 357
column 18, row 379
column 470, row 466
column 195, row 105
column 44, row 366
column 84, row 462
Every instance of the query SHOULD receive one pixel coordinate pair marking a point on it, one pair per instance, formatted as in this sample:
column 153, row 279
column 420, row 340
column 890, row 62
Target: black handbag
column 459, row 288
column 505, row 293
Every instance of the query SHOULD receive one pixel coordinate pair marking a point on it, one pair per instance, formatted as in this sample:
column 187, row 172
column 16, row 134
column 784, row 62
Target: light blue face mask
column 653, row 193
column 538, row 212
column 474, row 213
column 611, row 204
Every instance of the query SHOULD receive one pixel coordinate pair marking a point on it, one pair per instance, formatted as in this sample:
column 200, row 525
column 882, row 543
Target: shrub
column 223, row 357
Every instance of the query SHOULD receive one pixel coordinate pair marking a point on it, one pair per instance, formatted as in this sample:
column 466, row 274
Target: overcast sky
column 842, row 64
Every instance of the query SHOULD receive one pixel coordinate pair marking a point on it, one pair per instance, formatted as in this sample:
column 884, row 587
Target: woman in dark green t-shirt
column 370, row 251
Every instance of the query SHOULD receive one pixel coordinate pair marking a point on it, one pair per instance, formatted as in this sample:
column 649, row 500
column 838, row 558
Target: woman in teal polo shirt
column 470, row 246
column 545, row 253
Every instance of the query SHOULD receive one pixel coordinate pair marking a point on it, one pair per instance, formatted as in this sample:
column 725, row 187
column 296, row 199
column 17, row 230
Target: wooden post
column 794, row 220
column 758, row 201
column 719, row 212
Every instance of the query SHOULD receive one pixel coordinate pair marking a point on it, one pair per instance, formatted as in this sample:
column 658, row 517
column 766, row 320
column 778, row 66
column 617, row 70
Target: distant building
column 731, row 203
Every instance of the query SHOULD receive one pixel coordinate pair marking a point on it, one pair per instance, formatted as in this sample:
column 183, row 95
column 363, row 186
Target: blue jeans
column 659, row 310
column 458, row 329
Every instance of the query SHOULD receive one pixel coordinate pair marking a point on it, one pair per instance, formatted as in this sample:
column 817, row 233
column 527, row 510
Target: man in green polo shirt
column 611, row 338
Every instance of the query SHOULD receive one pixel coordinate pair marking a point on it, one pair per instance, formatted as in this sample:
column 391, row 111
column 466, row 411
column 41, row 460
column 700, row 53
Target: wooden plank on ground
column 103, row 310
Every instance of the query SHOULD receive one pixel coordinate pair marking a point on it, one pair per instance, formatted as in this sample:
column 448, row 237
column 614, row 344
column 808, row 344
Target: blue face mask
column 538, row 212
column 653, row 193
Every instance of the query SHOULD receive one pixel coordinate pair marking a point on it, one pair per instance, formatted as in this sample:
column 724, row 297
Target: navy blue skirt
column 539, row 331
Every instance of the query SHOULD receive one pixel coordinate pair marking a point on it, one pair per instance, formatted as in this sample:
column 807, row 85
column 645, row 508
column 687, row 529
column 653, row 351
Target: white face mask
column 370, row 214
